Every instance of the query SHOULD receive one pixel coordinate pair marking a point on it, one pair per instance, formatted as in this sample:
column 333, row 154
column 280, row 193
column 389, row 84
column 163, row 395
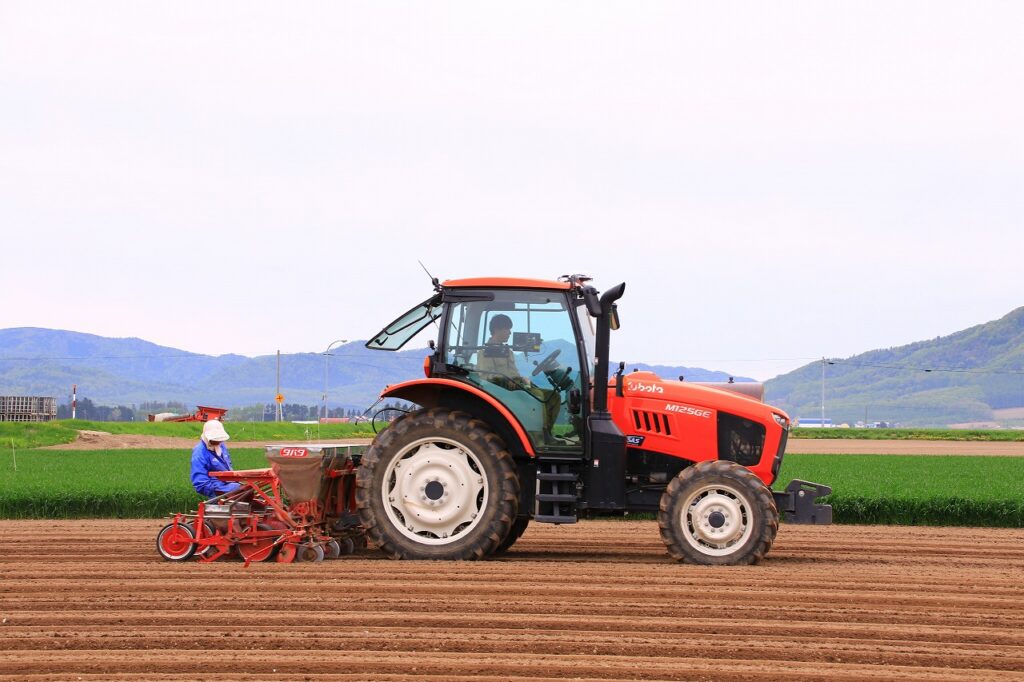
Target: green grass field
column 102, row 483
column 916, row 490
column 956, row 491
column 35, row 435
column 910, row 434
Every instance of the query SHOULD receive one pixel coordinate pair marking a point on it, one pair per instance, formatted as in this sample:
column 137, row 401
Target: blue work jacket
column 205, row 460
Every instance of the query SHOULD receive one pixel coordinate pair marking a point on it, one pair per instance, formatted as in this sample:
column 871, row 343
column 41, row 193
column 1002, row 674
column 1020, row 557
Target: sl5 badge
column 635, row 440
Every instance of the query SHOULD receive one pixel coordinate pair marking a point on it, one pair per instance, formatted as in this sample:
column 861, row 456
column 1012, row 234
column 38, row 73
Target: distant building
column 814, row 423
column 20, row 408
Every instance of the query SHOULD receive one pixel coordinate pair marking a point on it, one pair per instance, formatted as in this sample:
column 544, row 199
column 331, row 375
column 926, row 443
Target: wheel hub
column 435, row 490
column 717, row 519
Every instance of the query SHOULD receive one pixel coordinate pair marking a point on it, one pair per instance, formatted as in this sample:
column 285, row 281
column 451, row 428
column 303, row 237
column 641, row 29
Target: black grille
column 739, row 440
column 651, row 422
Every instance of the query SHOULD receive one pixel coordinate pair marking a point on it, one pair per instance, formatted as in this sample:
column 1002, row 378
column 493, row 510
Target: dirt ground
column 596, row 601
column 99, row 440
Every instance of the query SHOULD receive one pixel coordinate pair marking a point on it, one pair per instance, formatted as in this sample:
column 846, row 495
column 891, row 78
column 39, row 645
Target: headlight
column 781, row 421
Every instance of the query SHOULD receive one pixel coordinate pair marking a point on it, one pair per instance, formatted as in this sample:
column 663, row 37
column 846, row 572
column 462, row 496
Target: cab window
column 521, row 348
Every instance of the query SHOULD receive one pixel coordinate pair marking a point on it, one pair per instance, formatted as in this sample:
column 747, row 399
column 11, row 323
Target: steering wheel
column 547, row 364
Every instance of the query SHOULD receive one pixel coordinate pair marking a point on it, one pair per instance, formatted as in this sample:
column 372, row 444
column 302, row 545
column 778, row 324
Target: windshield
column 398, row 333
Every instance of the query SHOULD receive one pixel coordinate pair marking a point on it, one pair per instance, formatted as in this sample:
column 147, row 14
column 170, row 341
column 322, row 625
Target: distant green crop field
column 916, row 490
column 910, row 434
column 40, row 434
column 102, row 484
column 925, row 490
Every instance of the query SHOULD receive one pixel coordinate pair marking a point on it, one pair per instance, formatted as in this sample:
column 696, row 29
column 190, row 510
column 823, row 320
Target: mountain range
column 47, row 362
column 975, row 376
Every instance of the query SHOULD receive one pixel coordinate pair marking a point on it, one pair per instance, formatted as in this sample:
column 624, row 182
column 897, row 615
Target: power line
column 957, row 370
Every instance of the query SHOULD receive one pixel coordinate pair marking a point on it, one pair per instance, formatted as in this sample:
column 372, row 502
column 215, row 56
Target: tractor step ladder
column 557, row 484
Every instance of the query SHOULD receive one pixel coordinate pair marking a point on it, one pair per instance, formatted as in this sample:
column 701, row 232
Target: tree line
column 88, row 410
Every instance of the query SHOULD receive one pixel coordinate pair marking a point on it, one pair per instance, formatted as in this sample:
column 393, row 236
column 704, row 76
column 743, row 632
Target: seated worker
column 497, row 364
column 211, row 455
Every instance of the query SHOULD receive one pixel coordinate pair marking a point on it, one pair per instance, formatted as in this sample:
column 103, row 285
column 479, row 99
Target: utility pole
column 277, row 396
column 823, row 363
column 822, row 392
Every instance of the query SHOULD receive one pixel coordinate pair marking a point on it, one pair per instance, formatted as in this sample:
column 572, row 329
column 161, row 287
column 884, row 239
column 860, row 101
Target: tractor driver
column 210, row 454
column 497, row 364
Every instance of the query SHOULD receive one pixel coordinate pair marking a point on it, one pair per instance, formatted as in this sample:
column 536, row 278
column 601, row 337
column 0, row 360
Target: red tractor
column 492, row 449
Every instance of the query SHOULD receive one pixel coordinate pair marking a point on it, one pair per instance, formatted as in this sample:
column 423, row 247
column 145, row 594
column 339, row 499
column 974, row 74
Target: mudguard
column 426, row 392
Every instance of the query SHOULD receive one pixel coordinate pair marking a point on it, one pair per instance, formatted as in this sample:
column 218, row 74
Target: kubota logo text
column 644, row 388
column 686, row 409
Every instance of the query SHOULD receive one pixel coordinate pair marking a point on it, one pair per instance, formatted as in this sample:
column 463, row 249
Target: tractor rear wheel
column 518, row 528
column 437, row 484
column 717, row 513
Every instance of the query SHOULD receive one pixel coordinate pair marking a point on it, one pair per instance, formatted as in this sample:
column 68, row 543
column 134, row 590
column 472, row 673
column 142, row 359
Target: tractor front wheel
column 437, row 484
column 717, row 513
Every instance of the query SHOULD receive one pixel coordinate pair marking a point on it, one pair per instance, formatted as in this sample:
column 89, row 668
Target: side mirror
column 592, row 301
column 613, row 318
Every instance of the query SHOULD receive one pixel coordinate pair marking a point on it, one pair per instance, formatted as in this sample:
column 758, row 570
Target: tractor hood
column 737, row 398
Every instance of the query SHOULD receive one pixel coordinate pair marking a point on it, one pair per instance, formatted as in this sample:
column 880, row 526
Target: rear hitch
column 796, row 503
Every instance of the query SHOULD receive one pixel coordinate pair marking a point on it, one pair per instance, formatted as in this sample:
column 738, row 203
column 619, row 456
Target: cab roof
column 505, row 282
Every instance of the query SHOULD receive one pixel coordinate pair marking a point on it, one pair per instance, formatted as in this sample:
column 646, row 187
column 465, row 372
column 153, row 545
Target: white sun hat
column 213, row 430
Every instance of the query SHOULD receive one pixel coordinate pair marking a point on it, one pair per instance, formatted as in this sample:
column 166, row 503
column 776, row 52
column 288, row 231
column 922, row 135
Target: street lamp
column 327, row 356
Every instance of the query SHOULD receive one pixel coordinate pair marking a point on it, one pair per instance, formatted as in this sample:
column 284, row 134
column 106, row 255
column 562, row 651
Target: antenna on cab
column 433, row 280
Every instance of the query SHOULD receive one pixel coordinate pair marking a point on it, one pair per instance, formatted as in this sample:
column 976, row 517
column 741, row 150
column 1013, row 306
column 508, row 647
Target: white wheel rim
column 435, row 491
column 717, row 520
column 184, row 553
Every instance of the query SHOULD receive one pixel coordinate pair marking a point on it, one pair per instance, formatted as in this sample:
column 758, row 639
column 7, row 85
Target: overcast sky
column 775, row 182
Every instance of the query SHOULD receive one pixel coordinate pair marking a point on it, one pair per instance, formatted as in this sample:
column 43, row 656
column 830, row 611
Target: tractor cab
column 527, row 345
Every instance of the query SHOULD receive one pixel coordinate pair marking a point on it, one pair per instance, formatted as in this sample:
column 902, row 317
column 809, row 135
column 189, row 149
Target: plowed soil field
column 596, row 601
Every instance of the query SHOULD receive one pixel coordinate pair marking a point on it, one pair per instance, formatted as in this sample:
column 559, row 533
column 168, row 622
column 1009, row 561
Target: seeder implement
column 301, row 508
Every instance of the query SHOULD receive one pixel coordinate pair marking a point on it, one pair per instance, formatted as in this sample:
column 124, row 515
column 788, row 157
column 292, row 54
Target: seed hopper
column 300, row 508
